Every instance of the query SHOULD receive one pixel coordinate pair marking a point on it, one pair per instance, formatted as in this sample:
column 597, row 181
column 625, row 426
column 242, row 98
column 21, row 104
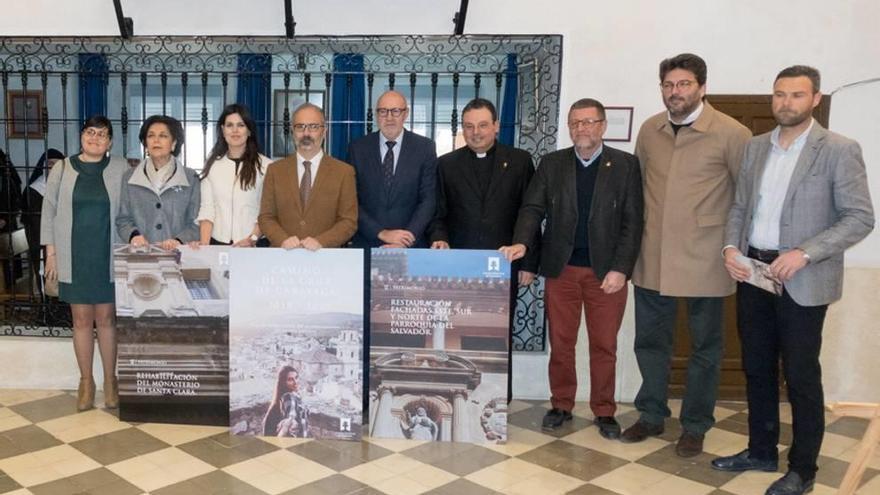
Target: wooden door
column 754, row 112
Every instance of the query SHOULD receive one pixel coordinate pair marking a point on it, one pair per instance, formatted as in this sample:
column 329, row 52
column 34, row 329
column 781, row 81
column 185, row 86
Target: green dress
column 90, row 243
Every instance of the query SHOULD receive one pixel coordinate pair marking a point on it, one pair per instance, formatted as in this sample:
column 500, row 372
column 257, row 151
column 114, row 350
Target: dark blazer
column 409, row 204
column 616, row 212
column 464, row 218
column 331, row 214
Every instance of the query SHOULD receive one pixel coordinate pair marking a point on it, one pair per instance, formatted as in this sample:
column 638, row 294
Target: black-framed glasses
column 303, row 127
column 683, row 84
column 588, row 123
column 394, row 112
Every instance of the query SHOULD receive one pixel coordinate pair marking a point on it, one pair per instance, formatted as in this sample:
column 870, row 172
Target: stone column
column 460, row 431
column 446, row 428
column 384, row 421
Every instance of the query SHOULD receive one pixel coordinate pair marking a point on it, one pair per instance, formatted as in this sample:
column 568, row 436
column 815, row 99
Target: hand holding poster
column 296, row 343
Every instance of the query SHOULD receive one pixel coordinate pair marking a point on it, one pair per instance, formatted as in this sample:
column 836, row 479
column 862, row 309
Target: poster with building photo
column 172, row 311
column 439, row 336
column 296, row 343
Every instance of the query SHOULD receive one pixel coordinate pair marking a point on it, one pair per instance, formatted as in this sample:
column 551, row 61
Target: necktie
column 388, row 164
column 305, row 184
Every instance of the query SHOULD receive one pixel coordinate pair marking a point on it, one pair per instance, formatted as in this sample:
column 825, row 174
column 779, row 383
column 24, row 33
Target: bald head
column 389, row 103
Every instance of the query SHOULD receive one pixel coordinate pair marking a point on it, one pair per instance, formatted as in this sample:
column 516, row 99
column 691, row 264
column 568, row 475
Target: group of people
column 672, row 218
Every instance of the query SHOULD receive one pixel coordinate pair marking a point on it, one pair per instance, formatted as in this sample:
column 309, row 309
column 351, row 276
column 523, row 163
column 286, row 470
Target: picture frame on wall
column 619, row 124
column 294, row 98
column 24, row 114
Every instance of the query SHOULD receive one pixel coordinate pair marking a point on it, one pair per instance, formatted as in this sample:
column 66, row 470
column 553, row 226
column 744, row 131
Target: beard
column 306, row 141
column 679, row 107
column 791, row 118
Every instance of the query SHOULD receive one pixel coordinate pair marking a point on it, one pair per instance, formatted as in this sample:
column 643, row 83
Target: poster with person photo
column 439, row 340
column 296, row 343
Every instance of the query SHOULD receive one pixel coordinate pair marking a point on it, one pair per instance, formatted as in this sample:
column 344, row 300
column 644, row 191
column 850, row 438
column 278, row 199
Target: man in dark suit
column 591, row 198
column 802, row 199
column 480, row 189
column 309, row 199
column 396, row 180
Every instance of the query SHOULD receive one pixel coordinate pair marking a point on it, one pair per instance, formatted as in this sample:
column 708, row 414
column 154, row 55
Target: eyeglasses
column 303, row 127
column 395, row 112
column 94, row 133
column 587, row 123
column 683, row 84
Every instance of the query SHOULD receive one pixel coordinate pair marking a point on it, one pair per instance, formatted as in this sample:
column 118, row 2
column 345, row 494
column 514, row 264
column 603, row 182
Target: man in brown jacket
column 690, row 156
column 309, row 199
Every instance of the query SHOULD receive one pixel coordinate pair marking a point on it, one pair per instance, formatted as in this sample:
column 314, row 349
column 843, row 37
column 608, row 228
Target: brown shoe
column 640, row 431
column 85, row 394
column 689, row 444
column 111, row 393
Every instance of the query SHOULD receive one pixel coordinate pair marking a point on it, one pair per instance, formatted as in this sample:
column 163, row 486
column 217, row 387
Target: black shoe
column 608, row 427
column 554, row 419
column 744, row 462
column 640, row 431
column 790, row 484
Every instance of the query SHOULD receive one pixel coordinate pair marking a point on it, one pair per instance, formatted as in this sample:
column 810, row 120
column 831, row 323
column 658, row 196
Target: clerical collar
column 690, row 119
column 489, row 152
column 592, row 158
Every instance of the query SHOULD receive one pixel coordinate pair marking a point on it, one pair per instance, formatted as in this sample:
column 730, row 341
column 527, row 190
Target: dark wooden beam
column 289, row 24
column 460, row 17
column 126, row 24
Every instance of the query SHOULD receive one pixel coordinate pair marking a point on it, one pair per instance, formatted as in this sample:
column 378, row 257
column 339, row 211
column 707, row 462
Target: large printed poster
column 439, row 337
column 296, row 343
column 172, row 310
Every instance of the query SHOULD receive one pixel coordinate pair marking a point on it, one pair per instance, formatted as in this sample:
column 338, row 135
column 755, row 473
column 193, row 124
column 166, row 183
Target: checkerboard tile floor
column 47, row 449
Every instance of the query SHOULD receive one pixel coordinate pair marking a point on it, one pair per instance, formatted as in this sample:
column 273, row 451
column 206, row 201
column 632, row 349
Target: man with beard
column 801, row 200
column 690, row 156
column 309, row 199
column 590, row 196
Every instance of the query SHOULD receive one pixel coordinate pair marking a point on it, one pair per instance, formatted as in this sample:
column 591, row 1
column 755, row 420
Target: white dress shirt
column 383, row 148
column 774, row 186
column 232, row 210
column 315, row 163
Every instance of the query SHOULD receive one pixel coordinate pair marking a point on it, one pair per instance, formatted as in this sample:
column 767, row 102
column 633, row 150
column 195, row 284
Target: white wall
column 610, row 52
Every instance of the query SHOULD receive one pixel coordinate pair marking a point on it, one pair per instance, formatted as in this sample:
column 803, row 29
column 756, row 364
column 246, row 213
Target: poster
column 172, row 311
column 439, row 337
column 296, row 343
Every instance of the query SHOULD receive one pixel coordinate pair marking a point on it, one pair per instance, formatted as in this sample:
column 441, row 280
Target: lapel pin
column 504, row 165
column 607, row 164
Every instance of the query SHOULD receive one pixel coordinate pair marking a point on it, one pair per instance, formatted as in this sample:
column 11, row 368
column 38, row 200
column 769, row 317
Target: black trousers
column 773, row 327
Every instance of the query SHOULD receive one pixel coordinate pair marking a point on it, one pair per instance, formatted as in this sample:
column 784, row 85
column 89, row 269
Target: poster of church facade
column 172, row 311
column 439, row 337
column 296, row 343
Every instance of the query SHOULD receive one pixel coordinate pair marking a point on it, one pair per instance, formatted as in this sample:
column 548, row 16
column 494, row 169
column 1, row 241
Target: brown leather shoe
column 111, row 393
column 689, row 444
column 640, row 431
column 85, row 394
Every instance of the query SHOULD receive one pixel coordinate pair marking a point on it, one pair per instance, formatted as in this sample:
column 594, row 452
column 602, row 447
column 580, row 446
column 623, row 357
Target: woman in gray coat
column 160, row 197
column 82, row 196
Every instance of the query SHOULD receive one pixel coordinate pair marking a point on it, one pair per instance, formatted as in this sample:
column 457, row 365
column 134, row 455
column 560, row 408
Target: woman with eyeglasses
column 232, row 182
column 160, row 197
column 82, row 196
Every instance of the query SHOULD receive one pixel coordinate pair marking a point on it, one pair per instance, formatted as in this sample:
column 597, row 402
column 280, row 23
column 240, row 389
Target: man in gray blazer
column 802, row 199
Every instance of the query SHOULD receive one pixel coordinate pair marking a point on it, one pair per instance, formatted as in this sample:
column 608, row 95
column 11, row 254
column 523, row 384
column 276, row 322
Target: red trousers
column 565, row 295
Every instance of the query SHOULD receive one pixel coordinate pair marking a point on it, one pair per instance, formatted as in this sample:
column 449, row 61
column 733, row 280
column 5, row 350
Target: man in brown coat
column 690, row 156
column 309, row 199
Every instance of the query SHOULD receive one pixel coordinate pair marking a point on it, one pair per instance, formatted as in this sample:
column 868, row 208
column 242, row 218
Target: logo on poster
column 494, row 264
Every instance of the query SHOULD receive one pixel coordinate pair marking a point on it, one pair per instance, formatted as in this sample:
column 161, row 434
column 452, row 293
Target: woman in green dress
column 79, row 209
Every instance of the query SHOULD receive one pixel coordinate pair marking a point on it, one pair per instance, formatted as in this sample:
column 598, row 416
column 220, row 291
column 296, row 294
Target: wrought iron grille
column 193, row 78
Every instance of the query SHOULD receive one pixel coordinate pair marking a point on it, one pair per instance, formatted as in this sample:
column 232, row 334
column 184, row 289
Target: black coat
column 467, row 220
column 616, row 212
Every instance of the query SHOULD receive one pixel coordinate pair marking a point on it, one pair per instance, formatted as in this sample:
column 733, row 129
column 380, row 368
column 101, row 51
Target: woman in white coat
column 232, row 182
